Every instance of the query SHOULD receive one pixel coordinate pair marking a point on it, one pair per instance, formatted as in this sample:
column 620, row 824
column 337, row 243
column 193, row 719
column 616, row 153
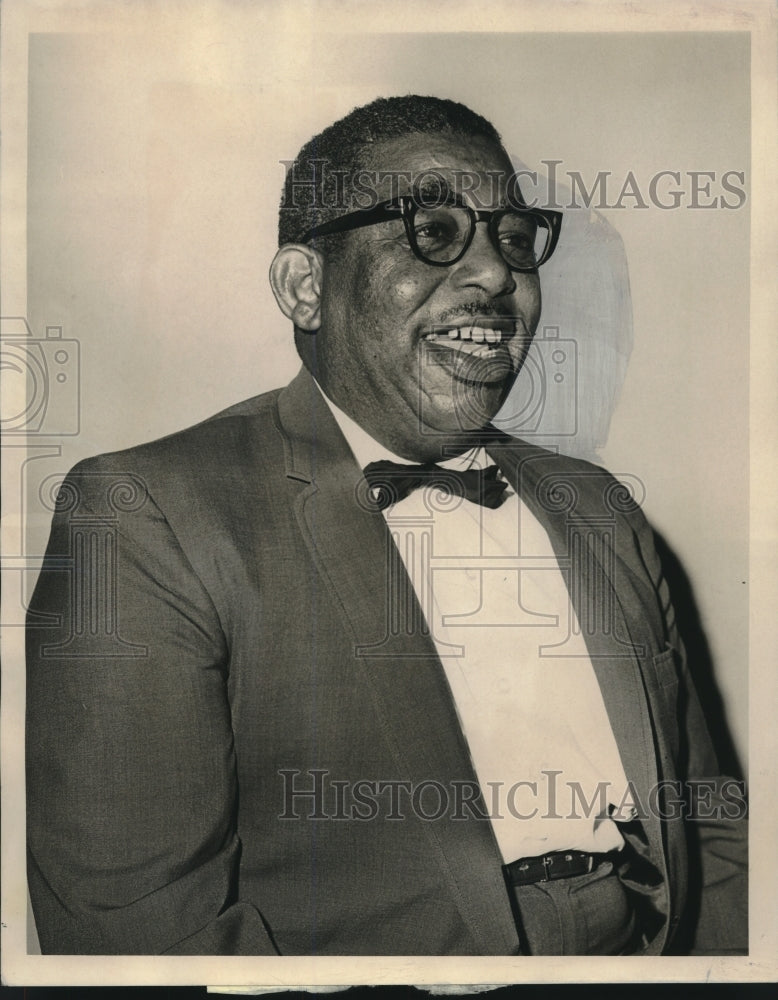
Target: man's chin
column 465, row 398
column 470, row 408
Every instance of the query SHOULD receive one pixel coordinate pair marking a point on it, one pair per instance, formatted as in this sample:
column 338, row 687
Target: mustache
column 475, row 309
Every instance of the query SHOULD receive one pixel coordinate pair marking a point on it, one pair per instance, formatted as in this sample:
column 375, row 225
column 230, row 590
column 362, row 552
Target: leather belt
column 558, row 864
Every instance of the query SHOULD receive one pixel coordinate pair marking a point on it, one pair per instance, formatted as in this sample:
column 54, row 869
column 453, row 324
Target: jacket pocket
column 666, row 668
column 665, row 709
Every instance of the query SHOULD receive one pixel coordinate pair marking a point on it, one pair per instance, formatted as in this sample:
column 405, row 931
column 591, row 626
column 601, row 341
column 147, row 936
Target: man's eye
column 430, row 230
column 518, row 241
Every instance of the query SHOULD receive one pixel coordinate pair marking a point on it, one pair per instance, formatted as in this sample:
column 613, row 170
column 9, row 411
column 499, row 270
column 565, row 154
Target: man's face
column 417, row 354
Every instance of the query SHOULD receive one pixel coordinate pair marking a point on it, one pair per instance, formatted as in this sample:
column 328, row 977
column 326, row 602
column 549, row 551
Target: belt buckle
column 555, row 865
column 570, row 857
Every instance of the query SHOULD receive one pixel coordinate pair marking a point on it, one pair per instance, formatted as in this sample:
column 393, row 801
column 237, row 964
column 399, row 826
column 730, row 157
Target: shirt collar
column 366, row 449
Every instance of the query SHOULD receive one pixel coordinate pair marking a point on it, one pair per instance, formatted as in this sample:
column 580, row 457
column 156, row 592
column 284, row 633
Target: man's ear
column 295, row 277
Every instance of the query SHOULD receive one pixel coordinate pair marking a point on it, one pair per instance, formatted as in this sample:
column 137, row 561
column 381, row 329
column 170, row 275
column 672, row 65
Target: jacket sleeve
column 131, row 786
column 717, row 828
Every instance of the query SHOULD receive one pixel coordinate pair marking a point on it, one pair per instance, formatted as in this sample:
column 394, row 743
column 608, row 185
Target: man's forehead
column 471, row 168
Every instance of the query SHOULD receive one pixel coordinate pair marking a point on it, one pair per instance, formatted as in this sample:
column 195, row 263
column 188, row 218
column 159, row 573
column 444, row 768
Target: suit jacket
column 212, row 636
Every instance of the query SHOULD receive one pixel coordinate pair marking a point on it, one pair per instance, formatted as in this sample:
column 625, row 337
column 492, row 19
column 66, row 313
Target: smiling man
column 386, row 337
column 346, row 670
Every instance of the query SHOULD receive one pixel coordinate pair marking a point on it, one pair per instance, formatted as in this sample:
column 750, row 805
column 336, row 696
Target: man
column 302, row 680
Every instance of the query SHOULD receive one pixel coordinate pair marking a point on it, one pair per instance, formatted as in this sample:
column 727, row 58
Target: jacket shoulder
column 208, row 460
column 560, row 484
column 214, row 439
column 552, row 461
column 540, row 463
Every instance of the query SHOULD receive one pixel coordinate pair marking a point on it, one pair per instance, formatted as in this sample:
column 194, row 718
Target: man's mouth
column 479, row 339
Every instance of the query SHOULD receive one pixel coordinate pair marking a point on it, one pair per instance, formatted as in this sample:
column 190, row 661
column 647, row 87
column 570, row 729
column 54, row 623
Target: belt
column 558, row 864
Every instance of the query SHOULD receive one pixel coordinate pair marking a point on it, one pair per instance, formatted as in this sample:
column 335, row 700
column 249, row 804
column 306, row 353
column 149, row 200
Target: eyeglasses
column 440, row 234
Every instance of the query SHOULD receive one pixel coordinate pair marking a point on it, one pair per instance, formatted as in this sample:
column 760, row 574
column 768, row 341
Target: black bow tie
column 392, row 482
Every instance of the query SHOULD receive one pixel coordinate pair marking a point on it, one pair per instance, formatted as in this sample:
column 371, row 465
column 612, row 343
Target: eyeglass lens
column 442, row 232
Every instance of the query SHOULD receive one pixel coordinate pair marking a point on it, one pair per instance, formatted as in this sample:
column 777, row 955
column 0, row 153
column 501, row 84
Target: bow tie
column 392, row 482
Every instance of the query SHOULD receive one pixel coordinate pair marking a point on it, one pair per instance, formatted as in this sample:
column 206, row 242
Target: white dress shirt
column 500, row 615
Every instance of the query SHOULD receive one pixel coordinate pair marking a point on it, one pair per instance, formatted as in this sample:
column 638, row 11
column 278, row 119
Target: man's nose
column 484, row 266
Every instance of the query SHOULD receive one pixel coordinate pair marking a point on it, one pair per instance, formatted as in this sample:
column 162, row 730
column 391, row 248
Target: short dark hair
column 315, row 180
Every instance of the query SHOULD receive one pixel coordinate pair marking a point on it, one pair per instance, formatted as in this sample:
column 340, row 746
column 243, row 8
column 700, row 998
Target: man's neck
column 369, row 447
column 426, row 444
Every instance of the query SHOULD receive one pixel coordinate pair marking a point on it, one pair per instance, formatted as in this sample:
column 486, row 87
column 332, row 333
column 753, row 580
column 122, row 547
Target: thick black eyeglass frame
column 406, row 207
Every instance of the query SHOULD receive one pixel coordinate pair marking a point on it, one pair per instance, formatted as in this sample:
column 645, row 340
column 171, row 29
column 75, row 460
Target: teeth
column 475, row 334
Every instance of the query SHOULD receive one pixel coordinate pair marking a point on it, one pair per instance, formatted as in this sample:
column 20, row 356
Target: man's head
column 415, row 321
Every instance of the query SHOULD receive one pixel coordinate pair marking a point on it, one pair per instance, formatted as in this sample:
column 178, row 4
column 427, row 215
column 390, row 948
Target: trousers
column 588, row 914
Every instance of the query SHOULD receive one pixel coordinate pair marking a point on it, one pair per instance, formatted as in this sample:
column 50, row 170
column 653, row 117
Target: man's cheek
column 528, row 297
column 409, row 290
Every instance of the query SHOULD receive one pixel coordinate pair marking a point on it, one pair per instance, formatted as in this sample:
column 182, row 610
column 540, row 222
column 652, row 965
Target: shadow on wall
column 566, row 393
column 699, row 659
column 701, row 668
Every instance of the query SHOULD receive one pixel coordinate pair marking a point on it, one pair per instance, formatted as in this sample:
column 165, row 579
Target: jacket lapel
column 352, row 549
column 585, row 538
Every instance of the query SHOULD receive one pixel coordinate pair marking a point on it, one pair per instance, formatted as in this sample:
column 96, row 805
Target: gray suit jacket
column 213, row 630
